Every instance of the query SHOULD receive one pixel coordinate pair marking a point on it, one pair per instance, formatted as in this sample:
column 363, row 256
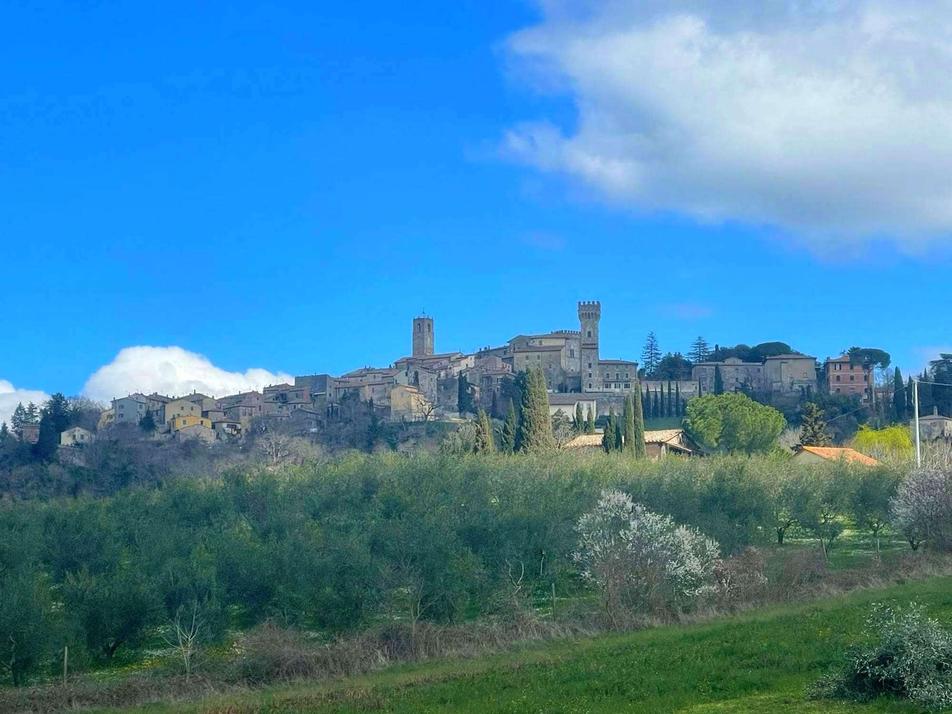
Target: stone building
column 736, row 375
column 790, row 374
column 934, row 428
column 76, row 436
column 131, row 409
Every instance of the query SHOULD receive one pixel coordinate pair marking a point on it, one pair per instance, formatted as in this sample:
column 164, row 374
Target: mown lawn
column 759, row 662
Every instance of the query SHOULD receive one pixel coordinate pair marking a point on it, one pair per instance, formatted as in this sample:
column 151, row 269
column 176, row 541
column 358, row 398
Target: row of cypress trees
column 530, row 430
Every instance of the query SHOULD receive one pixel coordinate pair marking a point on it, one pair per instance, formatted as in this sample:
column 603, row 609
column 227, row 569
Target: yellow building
column 180, row 422
column 181, row 408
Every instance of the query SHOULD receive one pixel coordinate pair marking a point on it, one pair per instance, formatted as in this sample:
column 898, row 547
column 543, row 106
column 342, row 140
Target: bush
column 922, row 509
column 907, row 655
column 642, row 560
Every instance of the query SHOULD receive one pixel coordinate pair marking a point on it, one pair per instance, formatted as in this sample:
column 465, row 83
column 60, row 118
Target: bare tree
column 186, row 630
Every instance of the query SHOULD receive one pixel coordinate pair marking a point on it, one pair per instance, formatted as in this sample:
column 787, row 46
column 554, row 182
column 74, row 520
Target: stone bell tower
column 422, row 336
column 589, row 313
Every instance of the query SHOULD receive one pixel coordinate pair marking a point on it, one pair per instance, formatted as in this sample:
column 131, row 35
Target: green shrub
column 907, row 655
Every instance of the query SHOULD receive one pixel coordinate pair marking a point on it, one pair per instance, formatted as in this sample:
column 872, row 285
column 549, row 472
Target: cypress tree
column 678, row 406
column 813, row 427
column 628, row 417
column 494, row 407
column 900, row 409
column 619, row 435
column 661, row 402
column 464, row 398
column 579, row 419
column 590, row 422
column 638, row 437
column 655, row 405
column 608, row 435
column 670, row 407
column 535, row 426
column 718, row 380
column 484, row 433
column 507, row 437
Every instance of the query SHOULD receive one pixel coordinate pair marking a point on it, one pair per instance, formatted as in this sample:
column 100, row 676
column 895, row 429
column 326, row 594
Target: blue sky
column 284, row 186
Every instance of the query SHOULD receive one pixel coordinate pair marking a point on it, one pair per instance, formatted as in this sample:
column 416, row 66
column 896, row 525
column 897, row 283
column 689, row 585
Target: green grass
column 759, row 662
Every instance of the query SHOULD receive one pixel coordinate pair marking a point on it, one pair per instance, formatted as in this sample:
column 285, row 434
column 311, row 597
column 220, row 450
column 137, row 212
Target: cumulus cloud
column 172, row 371
column 10, row 396
column 828, row 120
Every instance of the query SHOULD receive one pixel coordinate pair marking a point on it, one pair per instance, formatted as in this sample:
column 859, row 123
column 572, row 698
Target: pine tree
column 507, row 437
column 590, row 422
column 699, row 350
column 628, row 431
column 579, row 422
column 484, row 433
column 54, row 420
column 638, row 436
column 535, row 425
column 651, row 354
column 18, row 420
column 5, row 435
column 718, row 381
column 900, row 409
column 813, row 427
column 608, row 435
column 32, row 414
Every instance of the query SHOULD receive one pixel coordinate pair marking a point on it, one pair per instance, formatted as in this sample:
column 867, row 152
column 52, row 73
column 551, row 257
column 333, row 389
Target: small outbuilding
column 819, row 454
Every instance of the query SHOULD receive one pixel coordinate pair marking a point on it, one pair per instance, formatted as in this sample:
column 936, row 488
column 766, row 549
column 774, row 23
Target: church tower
column 422, row 336
column 589, row 313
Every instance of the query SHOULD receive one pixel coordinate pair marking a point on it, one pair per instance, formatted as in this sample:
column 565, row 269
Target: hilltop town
column 428, row 385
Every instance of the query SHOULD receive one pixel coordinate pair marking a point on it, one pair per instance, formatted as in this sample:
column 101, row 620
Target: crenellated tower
column 422, row 336
column 589, row 314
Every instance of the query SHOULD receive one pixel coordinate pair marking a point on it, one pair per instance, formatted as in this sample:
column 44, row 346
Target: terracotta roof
column 661, row 436
column 833, row 453
column 584, row 440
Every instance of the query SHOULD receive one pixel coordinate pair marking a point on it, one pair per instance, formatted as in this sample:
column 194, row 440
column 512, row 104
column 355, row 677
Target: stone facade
column 423, row 337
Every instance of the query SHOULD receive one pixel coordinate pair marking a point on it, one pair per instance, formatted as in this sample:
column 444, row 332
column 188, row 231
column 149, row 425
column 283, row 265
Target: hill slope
column 751, row 663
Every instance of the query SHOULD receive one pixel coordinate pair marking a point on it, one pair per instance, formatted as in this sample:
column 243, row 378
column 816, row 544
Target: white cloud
column 10, row 396
column 172, row 371
column 827, row 119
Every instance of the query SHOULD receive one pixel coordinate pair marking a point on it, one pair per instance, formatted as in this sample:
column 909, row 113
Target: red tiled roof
column 833, row 453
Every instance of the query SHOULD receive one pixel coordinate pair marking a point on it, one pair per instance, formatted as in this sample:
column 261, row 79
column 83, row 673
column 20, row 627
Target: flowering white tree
column 922, row 508
column 642, row 560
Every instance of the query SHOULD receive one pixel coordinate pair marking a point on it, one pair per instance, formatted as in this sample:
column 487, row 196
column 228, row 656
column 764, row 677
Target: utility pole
column 915, row 406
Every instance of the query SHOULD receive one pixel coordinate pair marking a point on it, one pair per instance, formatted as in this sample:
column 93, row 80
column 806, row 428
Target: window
column 627, row 385
column 589, row 333
column 589, row 384
column 837, row 379
column 589, row 366
column 852, row 377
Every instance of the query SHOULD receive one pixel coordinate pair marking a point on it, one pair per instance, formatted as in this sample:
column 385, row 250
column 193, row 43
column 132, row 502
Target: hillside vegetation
column 762, row 662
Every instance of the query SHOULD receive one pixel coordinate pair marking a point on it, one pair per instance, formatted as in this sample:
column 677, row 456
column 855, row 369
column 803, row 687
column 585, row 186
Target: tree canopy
column 732, row 423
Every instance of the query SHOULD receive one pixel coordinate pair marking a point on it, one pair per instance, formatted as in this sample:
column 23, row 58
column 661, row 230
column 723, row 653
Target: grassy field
column 760, row 662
